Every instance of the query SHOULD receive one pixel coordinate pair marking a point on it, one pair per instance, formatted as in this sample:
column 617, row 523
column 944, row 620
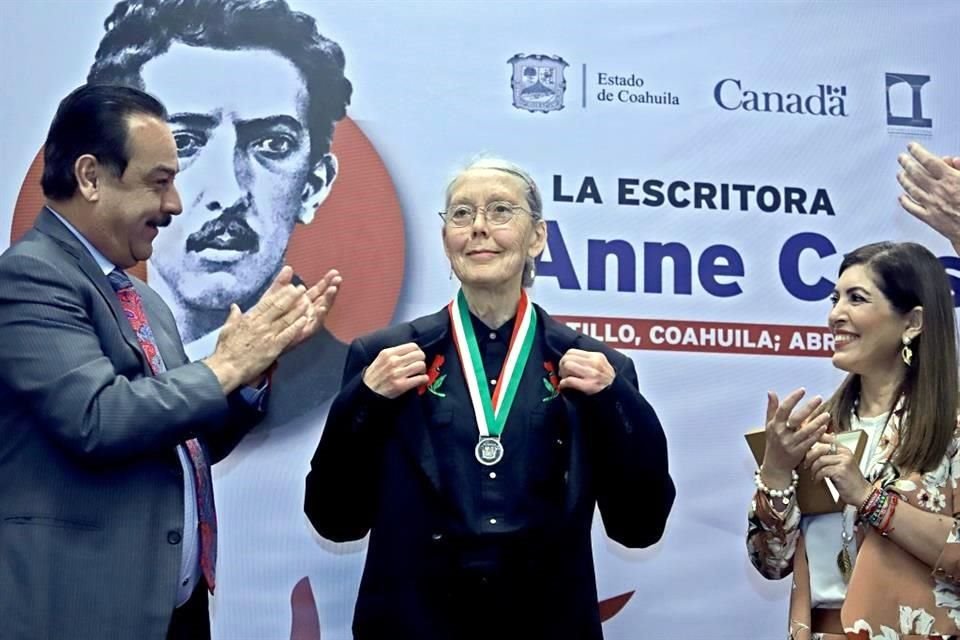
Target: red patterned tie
column 132, row 305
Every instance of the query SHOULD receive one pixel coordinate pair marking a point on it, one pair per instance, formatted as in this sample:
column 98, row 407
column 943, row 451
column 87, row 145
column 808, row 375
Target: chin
column 845, row 364
column 139, row 254
column 206, row 295
column 838, row 362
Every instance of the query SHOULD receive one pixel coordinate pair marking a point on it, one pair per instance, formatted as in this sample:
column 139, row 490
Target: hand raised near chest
column 588, row 372
column 397, row 370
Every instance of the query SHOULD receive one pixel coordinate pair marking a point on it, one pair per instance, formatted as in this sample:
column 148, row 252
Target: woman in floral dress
column 888, row 566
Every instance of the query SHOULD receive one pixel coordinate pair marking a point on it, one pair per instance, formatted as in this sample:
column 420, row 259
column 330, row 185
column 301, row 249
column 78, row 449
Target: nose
column 223, row 172
column 171, row 203
column 837, row 312
column 479, row 227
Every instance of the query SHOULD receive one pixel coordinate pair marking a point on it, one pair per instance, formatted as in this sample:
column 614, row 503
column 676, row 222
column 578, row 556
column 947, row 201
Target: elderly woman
column 888, row 566
column 473, row 445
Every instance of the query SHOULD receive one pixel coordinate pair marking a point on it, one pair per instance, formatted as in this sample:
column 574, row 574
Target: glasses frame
column 475, row 211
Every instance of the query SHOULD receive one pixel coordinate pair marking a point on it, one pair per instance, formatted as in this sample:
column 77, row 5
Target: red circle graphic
column 357, row 230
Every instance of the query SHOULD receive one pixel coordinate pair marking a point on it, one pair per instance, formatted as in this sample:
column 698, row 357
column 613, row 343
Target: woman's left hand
column 827, row 459
column 586, row 371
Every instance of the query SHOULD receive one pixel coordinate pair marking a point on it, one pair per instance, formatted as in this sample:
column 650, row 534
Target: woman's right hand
column 790, row 434
column 396, row 370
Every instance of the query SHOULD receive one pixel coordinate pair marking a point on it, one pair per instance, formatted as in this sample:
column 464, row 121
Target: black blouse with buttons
column 524, row 492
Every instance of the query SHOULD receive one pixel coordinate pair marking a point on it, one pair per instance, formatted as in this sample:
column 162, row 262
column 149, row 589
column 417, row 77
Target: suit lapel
column 558, row 339
column 49, row 225
column 427, row 332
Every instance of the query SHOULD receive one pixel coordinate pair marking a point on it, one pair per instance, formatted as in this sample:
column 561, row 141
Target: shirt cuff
column 256, row 397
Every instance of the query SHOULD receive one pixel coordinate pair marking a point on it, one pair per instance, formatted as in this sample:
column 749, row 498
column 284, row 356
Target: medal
column 491, row 411
column 488, row 451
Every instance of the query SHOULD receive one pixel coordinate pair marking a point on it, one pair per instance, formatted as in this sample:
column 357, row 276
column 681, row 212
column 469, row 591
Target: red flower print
column 434, row 379
column 551, row 382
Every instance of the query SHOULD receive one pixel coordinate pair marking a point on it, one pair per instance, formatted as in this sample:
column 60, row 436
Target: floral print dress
column 891, row 595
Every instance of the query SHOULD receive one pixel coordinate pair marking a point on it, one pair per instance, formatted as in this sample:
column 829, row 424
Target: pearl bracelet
column 783, row 494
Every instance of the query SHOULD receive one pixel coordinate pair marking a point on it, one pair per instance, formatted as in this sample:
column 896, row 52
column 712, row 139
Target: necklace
column 844, row 559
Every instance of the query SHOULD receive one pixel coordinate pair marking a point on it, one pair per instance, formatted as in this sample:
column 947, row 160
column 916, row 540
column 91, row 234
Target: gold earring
column 906, row 354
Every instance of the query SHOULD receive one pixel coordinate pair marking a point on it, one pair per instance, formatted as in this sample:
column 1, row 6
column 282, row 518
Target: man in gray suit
column 107, row 525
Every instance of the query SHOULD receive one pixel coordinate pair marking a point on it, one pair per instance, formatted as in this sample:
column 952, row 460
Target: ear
column 318, row 187
column 914, row 324
column 86, row 170
column 539, row 242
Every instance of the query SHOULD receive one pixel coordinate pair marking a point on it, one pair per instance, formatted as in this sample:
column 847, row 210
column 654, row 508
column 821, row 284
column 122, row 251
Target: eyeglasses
column 497, row 213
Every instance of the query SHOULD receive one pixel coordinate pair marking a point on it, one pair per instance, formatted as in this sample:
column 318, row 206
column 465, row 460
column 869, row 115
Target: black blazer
column 375, row 470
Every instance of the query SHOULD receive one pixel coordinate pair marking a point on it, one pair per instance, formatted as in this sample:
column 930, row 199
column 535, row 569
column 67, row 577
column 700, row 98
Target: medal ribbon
column 491, row 412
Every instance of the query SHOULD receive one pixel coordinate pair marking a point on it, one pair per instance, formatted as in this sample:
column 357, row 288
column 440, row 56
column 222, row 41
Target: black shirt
column 506, row 507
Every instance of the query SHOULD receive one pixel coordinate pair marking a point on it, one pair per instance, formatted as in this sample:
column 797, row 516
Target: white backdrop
column 432, row 88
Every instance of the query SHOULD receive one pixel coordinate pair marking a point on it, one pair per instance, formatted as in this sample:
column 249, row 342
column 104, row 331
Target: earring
column 906, row 353
column 450, row 277
column 533, row 271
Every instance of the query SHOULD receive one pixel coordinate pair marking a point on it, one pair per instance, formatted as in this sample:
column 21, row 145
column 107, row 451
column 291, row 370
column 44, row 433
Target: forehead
column 150, row 143
column 249, row 83
column 482, row 185
column 858, row 275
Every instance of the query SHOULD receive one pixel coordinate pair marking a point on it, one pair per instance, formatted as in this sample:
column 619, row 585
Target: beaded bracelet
column 878, row 509
column 885, row 529
column 869, row 502
column 871, row 511
column 783, row 494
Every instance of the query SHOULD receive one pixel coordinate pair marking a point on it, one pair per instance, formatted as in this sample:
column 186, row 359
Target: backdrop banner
column 704, row 167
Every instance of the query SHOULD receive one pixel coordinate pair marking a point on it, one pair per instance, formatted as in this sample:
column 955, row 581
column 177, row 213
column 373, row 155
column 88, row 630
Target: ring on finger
column 833, row 448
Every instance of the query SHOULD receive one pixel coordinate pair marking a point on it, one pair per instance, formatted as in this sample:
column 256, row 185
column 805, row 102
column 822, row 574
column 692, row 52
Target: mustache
column 228, row 231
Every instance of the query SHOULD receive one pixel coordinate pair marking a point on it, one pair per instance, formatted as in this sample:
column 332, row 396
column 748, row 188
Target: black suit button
column 174, row 537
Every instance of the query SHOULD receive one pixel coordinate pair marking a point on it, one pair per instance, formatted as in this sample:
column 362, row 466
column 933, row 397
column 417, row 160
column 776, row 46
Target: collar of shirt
column 485, row 334
column 100, row 259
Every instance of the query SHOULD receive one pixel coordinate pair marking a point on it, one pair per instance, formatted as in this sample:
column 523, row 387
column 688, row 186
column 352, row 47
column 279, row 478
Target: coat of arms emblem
column 537, row 82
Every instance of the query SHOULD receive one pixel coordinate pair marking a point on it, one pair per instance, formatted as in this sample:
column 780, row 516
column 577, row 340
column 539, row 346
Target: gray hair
column 534, row 199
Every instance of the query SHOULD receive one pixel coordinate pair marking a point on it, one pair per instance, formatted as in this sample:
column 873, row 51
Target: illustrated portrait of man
column 253, row 92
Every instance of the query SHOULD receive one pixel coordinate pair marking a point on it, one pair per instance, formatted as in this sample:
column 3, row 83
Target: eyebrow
column 205, row 121
column 193, row 120
column 164, row 170
column 853, row 289
column 273, row 121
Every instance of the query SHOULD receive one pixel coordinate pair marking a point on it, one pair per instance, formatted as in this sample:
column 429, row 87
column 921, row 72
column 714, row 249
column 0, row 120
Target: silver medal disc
column 489, row 451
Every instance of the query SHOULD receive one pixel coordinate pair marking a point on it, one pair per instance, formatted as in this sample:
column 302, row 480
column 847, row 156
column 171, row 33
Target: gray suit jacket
column 91, row 490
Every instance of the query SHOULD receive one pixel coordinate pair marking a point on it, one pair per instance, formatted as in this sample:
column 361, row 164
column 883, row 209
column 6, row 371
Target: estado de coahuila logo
column 537, row 82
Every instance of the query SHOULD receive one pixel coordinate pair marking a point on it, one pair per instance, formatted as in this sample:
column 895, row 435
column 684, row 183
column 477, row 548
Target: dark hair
column 909, row 276
column 91, row 120
column 139, row 30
